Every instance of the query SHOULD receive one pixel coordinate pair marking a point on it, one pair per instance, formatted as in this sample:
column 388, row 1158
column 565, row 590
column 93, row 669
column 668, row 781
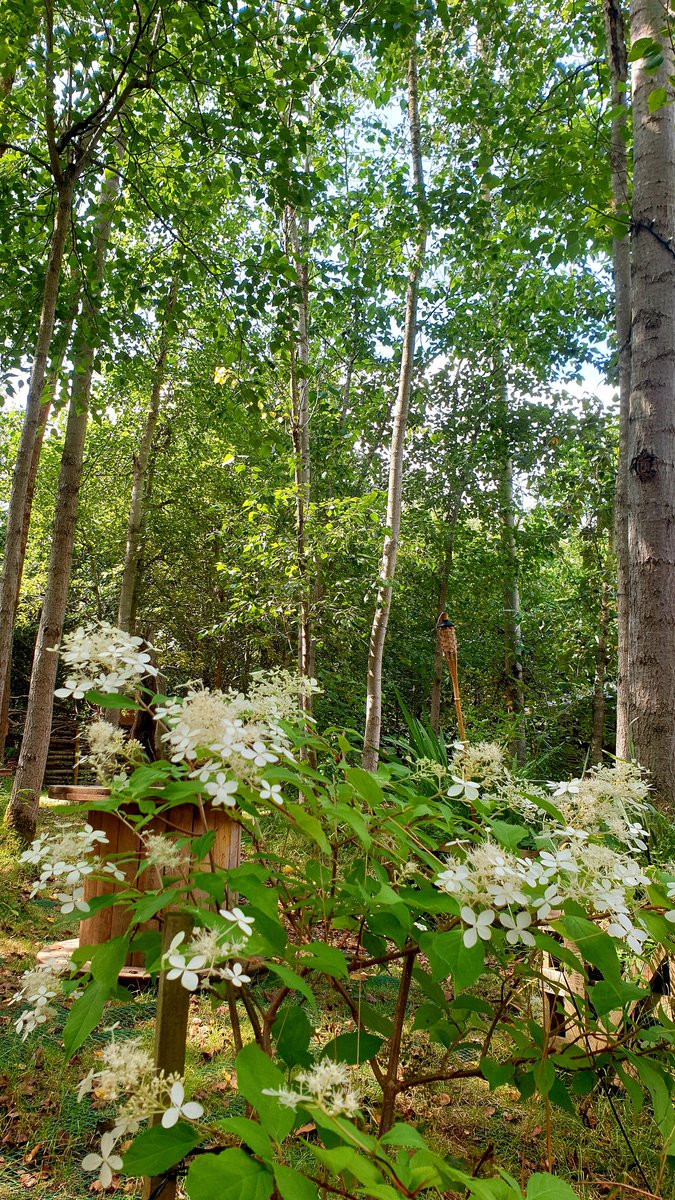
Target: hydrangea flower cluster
column 327, row 1084
column 38, row 988
column 103, row 658
column 493, row 886
column 208, row 955
column 231, row 738
column 128, row 1074
column 483, row 763
column 112, row 753
column 65, row 857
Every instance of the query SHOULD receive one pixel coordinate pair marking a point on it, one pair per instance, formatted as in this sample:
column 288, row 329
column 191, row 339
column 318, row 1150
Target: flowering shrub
column 461, row 886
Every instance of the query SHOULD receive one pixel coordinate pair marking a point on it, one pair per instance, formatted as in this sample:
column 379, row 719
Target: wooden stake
column 173, row 1004
column 448, row 640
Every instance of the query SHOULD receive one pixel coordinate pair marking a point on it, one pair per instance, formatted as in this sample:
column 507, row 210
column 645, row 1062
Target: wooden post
column 173, row 1005
column 448, row 639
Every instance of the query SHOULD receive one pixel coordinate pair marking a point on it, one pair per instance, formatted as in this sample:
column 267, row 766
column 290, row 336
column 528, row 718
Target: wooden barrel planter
column 184, row 820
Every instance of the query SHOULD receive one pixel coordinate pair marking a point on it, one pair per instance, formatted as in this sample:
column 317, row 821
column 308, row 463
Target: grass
column 44, row 1133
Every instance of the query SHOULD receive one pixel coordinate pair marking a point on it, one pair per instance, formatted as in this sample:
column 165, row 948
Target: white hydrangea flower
column 479, row 925
column 106, row 1163
column 239, row 918
column 102, row 658
column 182, row 968
column 73, row 902
column 235, row 975
column 518, row 928
column 222, row 790
column 271, row 791
column 191, row 1111
column 162, row 852
column 326, row 1084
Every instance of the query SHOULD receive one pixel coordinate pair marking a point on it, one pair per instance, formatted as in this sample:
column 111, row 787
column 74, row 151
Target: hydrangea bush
column 461, row 880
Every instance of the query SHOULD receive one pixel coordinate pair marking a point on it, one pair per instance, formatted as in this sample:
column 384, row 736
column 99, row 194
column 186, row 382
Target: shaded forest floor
column 45, row 1133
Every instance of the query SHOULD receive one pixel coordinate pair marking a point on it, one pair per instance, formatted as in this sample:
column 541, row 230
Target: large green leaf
column 157, row 1149
column 449, row 956
column 255, row 1073
column 352, row 1048
column 548, row 1187
column 230, row 1175
column 84, row 1016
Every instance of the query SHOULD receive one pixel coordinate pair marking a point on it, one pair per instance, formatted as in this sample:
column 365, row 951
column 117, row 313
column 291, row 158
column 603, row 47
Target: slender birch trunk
column 651, row 453
column 378, row 633
column 618, row 69
column 513, row 670
column 297, row 246
column 128, row 602
column 23, row 806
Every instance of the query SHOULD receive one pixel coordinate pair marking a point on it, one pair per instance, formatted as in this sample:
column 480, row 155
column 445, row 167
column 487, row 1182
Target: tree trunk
column 128, row 602
column 23, row 806
column 514, row 696
column 45, row 409
column 601, row 664
column 651, row 485
column 25, row 469
column 445, row 569
column 618, row 67
column 300, row 416
column 390, row 547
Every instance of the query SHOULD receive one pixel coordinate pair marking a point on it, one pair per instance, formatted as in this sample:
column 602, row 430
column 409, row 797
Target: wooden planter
column 184, row 819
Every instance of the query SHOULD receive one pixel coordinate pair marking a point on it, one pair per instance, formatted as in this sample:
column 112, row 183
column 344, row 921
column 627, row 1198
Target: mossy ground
column 45, row 1133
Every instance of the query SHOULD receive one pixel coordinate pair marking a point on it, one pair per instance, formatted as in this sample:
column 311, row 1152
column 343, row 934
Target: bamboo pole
column 448, row 640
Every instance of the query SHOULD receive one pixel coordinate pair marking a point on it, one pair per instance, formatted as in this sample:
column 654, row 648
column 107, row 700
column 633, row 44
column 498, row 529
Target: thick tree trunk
column 513, row 670
column 390, row 548
column 300, row 416
column 128, row 602
column 618, row 68
column 23, row 806
column 651, row 485
column 23, row 481
column 600, row 679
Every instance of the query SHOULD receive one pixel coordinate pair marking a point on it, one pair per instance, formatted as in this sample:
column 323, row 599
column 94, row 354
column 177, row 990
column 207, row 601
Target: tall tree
column 618, row 72
column 73, row 122
column 651, row 451
column 378, row 633
column 22, row 810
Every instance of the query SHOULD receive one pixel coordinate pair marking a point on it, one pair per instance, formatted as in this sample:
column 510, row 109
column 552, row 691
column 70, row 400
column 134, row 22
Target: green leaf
column 292, row 1185
column 548, row 1187
column 84, row 1016
column 404, row 1135
column 112, row 700
column 595, row 947
column 107, row 961
column 365, row 785
column 352, row 1048
column 152, row 902
column 449, row 956
column 509, row 835
column 327, row 959
column 657, row 98
column 292, row 1033
column 497, row 1074
column 230, row 1175
column 309, row 825
column 293, row 981
column 250, row 1132
column 256, row 1072
column 157, row 1149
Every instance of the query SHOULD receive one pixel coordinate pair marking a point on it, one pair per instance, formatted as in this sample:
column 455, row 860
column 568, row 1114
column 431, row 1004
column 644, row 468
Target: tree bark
column 25, row 468
column 128, row 602
column 513, row 692
column 600, row 678
column 378, row 633
column 439, row 657
column 45, row 409
column 22, row 810
column 651, row 485
column 300, row 418
column 618, row 69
